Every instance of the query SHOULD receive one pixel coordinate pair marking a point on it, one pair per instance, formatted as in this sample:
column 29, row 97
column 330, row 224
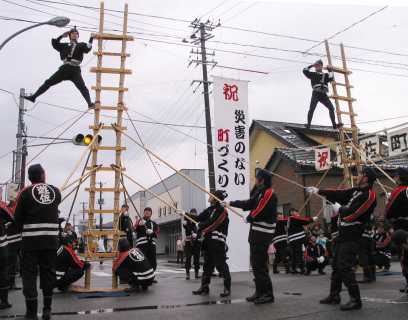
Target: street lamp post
column 57, row 21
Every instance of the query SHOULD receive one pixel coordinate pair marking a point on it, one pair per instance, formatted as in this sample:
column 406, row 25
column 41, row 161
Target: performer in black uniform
column 125, row 224
column 69, row 268
column 36, row 215
column 192, row 246
column 214, row 222
column 355, row 207
column 72, row 55
column 133, row 267
column 297, row 236
column 319, row 81
column 14, row 246
column 366, row 252
column 316, row 257
column 6, row 216
column 146, row 234
column 263, row 221
column 280, row 242
column 382, row 252
column 400, row 238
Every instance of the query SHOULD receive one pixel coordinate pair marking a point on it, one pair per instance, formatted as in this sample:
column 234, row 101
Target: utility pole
column 204, row 36
column 83, row 209
column 101, row 202
column 20, row 152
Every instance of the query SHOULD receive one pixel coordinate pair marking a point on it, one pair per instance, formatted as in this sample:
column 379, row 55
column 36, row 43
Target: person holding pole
column 213, row 222
column 262, row 219
column 192, row 245
column 355, row 207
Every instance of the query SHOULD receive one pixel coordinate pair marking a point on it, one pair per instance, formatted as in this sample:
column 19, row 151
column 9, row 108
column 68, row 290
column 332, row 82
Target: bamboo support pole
column 327, row 203
column 184, row 176
column 153, row 194
column 76, row 188
column 83, row 176
column 310, row 196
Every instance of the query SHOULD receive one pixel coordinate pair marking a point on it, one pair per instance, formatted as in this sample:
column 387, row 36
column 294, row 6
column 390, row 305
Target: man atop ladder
column 319, row 81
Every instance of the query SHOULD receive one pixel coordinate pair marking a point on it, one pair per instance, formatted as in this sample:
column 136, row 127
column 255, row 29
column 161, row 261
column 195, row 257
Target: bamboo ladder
column 117, row 148
column 356, row 159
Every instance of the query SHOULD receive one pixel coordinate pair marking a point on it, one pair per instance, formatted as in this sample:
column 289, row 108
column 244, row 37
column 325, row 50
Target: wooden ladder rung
column 340, row 70
column 108, row 36
column 102, row 232
column 109, row 88
column 347, row 113
column 107, row 148
column 354, row 161
column 106, row 169
column 342, row 84
column 351, row 129
column 101, row 211
column 111, row 108
column 107, row 128
column 99, row 255
column 106, row 189
column 342, row 98
column 111, row 70
column 97, row 53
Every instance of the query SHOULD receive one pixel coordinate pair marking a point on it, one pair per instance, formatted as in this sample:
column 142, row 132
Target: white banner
column 397, row 142
column 322, row 159
column 232, row 170
column 373, row 146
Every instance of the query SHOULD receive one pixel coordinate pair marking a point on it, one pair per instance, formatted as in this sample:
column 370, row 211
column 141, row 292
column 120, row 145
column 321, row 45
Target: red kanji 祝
column 230, row 92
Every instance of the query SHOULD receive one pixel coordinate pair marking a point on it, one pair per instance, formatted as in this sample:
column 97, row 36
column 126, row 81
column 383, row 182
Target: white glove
column 149, row 231
column 320, row 259
column 184, row 222
column 142, row 222
column 388, row 195
column 336, row 207
column 225, row 203
column 134, row 235
column 311, row 190
column 245, row 219
column 126, row 214
column 90, row 265
column 315, row 219
column 180, row 212
column 194, row 235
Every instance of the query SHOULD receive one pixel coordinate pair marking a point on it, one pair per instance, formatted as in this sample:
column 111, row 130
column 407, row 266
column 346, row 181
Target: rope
column 151, row 160
column 290, row 173
column 44, row 149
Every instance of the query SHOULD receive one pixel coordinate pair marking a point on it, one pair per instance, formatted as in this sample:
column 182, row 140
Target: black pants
column 12, row 262
column 149, row 250
column 66, row 72
column 280, row 255
column 259, row 262
column 324, row 99
column 366, row 252
column 313, row 265
column 4, row 280
column 70, row 276
column 31, row 262
column 218, row 259
column 297, row 254
column 180, row 256
column 128, row 276
column 192, row 250
column 344, row 258
column 381, row 260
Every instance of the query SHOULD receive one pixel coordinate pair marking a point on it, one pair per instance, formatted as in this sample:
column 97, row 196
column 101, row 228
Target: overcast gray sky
column 264, row 41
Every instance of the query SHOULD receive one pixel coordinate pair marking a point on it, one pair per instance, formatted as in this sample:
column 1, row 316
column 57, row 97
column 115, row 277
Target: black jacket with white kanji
column 13, row 234
column 263, row 216
column 65, row 49
column 142, row 238
column 36, row 215
column 312, row 252
column 357, row 206
column 280, row 238
column 397, row 208
column 135, row 260
column 213, row 222
column 67, row 259
column 296, row 233
column 383, row 244
column 319, row 80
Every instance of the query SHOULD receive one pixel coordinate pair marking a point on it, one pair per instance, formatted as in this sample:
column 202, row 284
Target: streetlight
column 57, row 21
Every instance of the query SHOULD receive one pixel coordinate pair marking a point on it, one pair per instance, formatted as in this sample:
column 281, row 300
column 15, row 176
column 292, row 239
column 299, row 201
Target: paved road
column 296, row 297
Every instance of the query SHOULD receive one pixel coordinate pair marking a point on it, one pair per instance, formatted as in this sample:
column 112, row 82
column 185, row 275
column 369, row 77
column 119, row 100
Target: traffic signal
column 81, row 140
